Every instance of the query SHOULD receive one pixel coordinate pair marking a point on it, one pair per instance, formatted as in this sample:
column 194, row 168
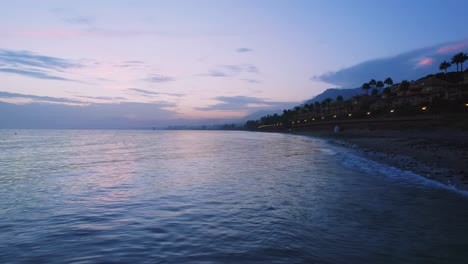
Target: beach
column 440, row 155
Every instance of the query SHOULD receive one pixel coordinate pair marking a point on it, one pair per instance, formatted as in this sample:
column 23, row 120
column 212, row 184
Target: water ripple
column 214, row 197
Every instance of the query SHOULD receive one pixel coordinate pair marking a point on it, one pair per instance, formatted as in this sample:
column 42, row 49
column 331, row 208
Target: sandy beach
column 441, row 155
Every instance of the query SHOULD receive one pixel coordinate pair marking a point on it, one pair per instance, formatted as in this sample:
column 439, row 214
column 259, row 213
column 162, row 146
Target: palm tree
column 456, row 59
column 317, row 105
column 379, row 85
column 388, row 81
column 365, row 87
column 375, row 92
column 462, row 57
column 404, row 86
column 297, row 110
column 339, row 98
column 372, row 83
column 323, row 105
column 444, row 66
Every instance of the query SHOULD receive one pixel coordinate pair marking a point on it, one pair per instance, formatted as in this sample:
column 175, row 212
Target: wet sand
column 440, row 155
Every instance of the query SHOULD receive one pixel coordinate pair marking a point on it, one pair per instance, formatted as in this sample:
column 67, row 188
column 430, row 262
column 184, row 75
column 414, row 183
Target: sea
column 142, row 196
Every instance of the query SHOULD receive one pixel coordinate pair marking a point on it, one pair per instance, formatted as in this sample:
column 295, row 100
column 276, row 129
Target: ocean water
column 216, row 197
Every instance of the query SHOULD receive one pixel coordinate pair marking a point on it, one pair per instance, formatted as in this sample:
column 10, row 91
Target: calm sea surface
column 215, row 197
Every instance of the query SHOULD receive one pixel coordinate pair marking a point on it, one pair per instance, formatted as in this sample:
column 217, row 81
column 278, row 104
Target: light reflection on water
column 215, row 197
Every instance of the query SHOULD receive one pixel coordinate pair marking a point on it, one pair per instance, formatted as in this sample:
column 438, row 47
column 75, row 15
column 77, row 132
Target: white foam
column 353, row 160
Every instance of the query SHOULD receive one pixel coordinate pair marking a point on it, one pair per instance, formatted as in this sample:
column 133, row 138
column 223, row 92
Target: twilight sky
column 148, row 62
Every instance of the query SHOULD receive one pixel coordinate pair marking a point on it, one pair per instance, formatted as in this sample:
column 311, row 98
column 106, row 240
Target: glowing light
column 368, row 113
column 323, row 117
column 392, row 110
column 313, row 119
column 423, row 108
column 305, row 120
column 334, row 116
column 350, row 115
column 466, row 105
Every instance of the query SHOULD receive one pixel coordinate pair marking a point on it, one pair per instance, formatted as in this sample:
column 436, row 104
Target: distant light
column 305, row 120
column 392, row 110
column 313, row 119
column 368, row 113
column 323, row 117
column 334, row 116
column 293, row 122
column 423, row 108
column 350, row 115
column 466, row 105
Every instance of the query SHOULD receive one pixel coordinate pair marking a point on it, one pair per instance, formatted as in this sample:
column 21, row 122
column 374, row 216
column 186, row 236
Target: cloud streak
column 26, row 58
column 7, row 95
column 148, row 92
column 241, row 103
column 232, row 70
column 243, row 50
column 33, row 65
column 156, row 78
column 34, row 74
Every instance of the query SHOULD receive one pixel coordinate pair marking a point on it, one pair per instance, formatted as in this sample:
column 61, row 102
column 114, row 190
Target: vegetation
column 366, row 106
column 444, row 66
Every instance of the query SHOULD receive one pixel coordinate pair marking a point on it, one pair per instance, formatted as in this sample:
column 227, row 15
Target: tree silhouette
column 375, row 92
column 365, row 87
column 388, row 81
column 404, row 86
column 379, row 85
column 328, row 100
column 372, row 83
column 456, row 59
column 462, row 57
column 387, row 91
column 339, row 98
column 323, row 105
column 444, row 66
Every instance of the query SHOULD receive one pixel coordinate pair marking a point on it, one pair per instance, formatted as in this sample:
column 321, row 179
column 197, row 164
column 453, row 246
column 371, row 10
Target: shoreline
column 439, row 155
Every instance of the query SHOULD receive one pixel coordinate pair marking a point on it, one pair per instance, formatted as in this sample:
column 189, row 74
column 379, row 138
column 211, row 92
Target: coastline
column 439, row 155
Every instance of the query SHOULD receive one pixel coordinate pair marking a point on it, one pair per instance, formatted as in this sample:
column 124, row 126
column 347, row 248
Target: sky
column 121, row 64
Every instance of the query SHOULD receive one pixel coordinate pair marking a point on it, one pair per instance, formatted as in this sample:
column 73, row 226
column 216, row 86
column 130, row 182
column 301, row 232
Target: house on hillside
column 425, row 90
column 361, row 102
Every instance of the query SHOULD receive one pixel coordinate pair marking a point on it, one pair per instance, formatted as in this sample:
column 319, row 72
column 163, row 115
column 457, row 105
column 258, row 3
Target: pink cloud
column 426, row 61
column 452, row 48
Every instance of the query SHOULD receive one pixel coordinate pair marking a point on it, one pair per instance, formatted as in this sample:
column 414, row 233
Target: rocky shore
column 440, row 155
